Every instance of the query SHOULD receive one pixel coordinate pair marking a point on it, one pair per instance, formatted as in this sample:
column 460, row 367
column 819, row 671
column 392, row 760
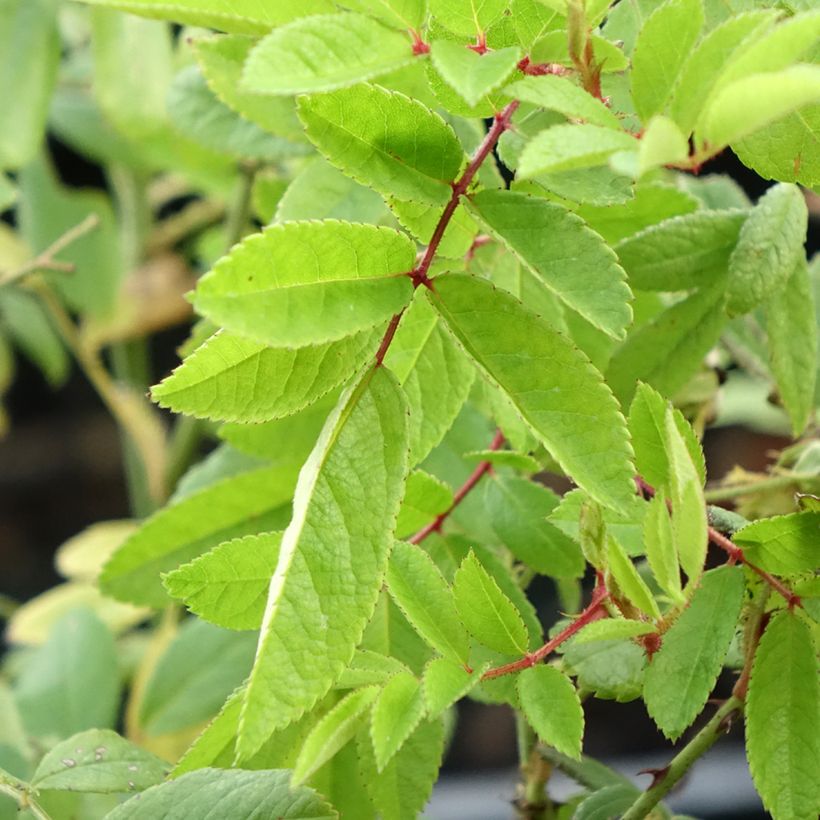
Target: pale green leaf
column 446, row 682
column 666, row 351
column 682, row 253
column 425, row 497
column 323, row 53
column 659, row 540
column 72, row 682
column 506, row 458
column 100, row 761
column 629, row 582
column 434, row 373
column 552, row 707
column 552, row 385
column 230, row 794
column 402, row 789
column 785, row 544
column 385, row 140
column 404, row 14
column 769, row 247
column 228, row 586
column 472, row 75
column 333, row 557
column 612, row 670
column 294, row 284
column 29, row 56
column 564, row 147
column 553, row 48
column 368, row 667
column 702, row 70
column 468, row 17
column 689, row 522
column 563, row 254
column 241, row 16
column 647, row 426
column 333, row 731
column 519, row 510
column 486, row 611
column 247, row 503
column 221, row 60
column 230, row 378
column 613, row 629
column 684, row 670
column 749, row 104
column 663, row 46
column 783, row 720
column 662, row 143
column 194, row 676
column 791, row 327
column 419, row 589
column 82, row 557
column 561, row 94
column 396, row 713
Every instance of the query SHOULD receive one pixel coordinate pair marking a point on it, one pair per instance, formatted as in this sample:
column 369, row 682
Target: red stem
column 595, row 610
column 735, row 553
column 460, row 494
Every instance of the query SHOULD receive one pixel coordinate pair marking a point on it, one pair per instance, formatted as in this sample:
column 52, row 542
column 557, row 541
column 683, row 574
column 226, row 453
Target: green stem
column 237, row 219
column 682, row 762
column 777, row 482
column 183, row 448
column 533, row 802
column 22, row 794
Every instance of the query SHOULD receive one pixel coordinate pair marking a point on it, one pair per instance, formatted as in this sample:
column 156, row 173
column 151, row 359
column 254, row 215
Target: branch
column 777, row 482
column 594, row 610
column 682, row 762
column 46, row 261
column 460, row 494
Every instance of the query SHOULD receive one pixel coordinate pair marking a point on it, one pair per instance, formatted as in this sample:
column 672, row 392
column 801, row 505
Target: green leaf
column 552, row 385
column 233, row 794
column 659, row 538
column 467, row 16
column 662, row 143
column 663, row 46
column 426, row 599
column 241, row 16
column 72, row 682
column 518, row 510
column 689, row 523
column 333, row 557
column 29, row 56
column 702, row 70
column 368, row 667
column 230, row 378
column 293, row 284
column 610, row 801
column 666, row 351
column 791, row 326
column 552, row 707
column 629, row 582
column 385, row 140
column 100, row 761
column 197, row 672
column 684, row 670
column 486, row 611
column 563, row 95
column 333, row 731
column 198, row 114
column 545, row 236
column 505, row 458
column 323, row 53
column 425, row 497
column 785, row 544
column 228, row 586
column 390, row 633
column 612, row 629
column 472, row 75
column 446, row 682
column 240, row 505
column 403, row 788
column 682, row 253
column 770, row 245
column 564, row 147
column 434, row 373
column 396, row 714
column 748, row 104
column 403, row 14
column 222, row 60
column 783, row 719
column 612, row 670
